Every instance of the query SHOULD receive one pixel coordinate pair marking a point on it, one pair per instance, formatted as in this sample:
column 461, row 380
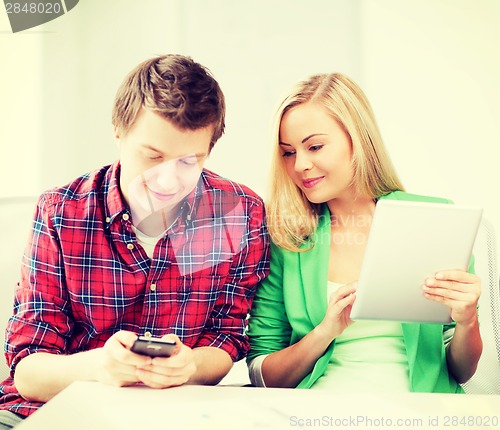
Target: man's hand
column 117, row 364
column 163, row 372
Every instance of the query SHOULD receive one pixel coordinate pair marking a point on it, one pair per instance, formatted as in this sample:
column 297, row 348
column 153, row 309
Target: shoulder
column 402, row 195
column 230, row 190
column 80, row 190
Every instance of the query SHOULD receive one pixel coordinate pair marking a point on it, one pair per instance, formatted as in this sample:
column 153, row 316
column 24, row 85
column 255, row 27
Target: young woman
column 330, row 169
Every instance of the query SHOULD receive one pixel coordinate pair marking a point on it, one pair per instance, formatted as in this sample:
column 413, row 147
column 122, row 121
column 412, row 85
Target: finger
column 118, row 346
column 173, row 338
column 446, row 293
column 453, row 299
column 342, row 304
column 457, row 275
column 163, row 376
column 348, row 288
column 126, row 338
column 156, row 380
column 454, row 285
column 161, row 369
column 432, row 283
column 125, row 375
column 457, row 307
column 118, row 373
column 342, row 293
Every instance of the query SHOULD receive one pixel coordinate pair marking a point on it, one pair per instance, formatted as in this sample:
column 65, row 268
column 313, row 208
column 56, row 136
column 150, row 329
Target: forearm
column 41, row 376
column 464, row 351
column 212, row 364
column 286, row 368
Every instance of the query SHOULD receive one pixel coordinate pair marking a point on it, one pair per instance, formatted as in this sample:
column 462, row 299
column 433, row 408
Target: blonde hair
column 292, row 218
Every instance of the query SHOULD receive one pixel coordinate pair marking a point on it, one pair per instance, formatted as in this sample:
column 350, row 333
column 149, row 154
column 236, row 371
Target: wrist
column 323, row 335
column 468, row 323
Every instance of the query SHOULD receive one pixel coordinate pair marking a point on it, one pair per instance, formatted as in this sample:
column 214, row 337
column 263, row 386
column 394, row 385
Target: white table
column 95, row 406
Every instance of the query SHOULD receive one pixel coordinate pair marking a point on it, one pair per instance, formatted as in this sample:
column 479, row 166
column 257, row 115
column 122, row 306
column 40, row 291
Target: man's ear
column 116, row 134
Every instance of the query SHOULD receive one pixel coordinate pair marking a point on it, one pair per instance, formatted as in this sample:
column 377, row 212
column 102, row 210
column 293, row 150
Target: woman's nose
column 302, row 162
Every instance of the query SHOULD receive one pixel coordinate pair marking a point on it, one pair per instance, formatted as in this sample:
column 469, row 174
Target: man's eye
column 188, row 161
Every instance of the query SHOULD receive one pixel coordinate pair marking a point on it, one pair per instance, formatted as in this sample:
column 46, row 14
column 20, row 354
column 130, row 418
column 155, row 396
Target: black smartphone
column 153, row 347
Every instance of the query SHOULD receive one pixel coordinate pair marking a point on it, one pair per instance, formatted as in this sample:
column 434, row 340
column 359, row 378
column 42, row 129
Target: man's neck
column 157, row 223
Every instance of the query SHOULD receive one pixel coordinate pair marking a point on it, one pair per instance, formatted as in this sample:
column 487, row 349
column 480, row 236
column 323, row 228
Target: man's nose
column 167, row 173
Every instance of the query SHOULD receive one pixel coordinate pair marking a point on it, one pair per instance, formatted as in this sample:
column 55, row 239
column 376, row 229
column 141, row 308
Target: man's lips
column 309, row 183
column 161, row 196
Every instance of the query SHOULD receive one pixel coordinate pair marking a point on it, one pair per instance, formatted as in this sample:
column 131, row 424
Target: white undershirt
column 369, row 356
column 147, row 242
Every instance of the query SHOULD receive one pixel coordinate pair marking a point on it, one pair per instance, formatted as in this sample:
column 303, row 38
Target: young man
column 153, row 245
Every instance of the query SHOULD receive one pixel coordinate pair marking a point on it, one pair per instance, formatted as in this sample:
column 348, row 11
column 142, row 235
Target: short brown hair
column 177, row 88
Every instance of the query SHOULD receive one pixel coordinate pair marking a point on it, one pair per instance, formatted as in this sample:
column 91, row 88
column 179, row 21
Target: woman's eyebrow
column 312, row 135
column 305, row 138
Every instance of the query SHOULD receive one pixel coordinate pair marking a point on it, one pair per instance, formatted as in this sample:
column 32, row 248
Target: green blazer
column 291, row 301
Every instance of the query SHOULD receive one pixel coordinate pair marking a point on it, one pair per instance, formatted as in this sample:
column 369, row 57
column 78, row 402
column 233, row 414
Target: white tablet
column 409, row 242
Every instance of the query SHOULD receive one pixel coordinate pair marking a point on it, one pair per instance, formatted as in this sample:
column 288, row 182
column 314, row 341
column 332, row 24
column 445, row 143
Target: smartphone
column 153, row 347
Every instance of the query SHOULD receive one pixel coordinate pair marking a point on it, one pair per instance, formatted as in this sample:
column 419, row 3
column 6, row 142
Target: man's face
column 160, row 165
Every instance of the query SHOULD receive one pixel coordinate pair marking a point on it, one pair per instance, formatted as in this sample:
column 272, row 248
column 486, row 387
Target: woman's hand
column 457, row 289
column 338, row 314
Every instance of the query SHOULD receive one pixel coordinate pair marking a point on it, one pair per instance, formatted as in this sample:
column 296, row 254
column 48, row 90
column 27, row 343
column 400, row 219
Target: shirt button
column 147, row 334
column 125, row 217
column 130, row 246
column 152, row 287
column 188, row 217
column 108, row 219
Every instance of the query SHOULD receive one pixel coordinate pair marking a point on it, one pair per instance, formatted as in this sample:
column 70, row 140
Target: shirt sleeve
column 40, row 320
column 226, row 325
column 255, row 371
column 269, row 329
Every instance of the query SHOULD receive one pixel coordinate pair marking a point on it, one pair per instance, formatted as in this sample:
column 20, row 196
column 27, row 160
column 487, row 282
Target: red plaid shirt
column 85, row 277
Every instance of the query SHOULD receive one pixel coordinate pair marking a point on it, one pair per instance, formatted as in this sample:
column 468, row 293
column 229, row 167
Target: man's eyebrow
column 151, row 148
column 197, row 155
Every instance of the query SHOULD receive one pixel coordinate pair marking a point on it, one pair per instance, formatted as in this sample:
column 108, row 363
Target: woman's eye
column 315, row 148
column 287, row 154
column 154, row 157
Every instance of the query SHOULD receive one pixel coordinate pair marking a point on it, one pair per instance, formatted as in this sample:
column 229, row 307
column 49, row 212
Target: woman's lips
column 309, row 183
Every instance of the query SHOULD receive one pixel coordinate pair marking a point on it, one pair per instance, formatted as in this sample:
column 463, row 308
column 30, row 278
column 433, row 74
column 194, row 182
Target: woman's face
column 317, row 153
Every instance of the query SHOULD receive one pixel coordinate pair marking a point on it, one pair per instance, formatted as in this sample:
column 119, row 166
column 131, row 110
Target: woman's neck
column 356, row 212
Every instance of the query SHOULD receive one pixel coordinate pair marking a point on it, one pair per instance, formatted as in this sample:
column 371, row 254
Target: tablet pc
column 409, row 242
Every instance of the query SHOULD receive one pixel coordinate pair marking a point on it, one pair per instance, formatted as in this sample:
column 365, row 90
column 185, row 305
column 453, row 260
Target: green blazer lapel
column 313, row 267
column 411, row 333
